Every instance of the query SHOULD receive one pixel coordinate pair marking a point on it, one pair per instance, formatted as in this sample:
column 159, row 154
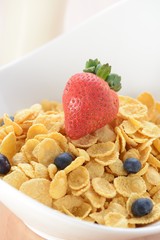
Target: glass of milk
column 27, row 24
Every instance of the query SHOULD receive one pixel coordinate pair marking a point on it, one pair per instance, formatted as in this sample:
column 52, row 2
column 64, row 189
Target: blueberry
column 63, row 160
column 132, row 165
column 4, row 164
column 141, row 207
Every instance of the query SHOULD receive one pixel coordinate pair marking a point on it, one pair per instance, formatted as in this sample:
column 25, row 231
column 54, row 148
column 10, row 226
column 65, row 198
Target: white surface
column 130, row 42
column 27, row 24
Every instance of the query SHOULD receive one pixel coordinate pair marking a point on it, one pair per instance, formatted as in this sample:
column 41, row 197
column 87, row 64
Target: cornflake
column 93, row 186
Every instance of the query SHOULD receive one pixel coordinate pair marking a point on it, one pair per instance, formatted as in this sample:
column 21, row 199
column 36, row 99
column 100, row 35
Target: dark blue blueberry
column 4, row 164
column 63, row 160
column 132, row 165
column 2, row 123
column 141, row 207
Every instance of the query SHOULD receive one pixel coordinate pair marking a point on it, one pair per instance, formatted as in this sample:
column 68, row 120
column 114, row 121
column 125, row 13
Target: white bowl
column 127, row 35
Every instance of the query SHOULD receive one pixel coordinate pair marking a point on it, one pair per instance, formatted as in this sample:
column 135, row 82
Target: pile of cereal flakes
column 94, row 186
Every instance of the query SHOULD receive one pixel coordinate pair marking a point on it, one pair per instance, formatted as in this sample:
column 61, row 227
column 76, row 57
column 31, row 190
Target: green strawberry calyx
column 104, row 71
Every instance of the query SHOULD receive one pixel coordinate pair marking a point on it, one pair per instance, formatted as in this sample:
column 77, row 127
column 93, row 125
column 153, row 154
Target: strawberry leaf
column 114, row 82
column 103, row 71
column 91, row 65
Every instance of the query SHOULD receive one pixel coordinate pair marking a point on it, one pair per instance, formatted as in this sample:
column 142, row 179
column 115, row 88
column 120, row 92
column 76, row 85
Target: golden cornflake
column 58, row 186
column 117, row 168
column 35, row 130
column 8, row 146
column 153, row 176
column 117, row 208
column 95, row 169
column 105, row 134
column 81, row 191
column 131, row 125
column 15, row 178
column 40, row 171
column 75, row 164
column 68, row 201
column 81, row 211
column 8, row 122
column 38, row 189
column 150, row 129
column 148, row 100
column 107, row 160
column 101, row 149
column 113, row 219
column 27, row 169
column 19, row 158
column 103, row 187
column 28, row 148
column 134, row 110
column 78, row 178
column 85, row 141
column 130, row 184
column 52, row 169
column 60, row 139
column 83, row 153
column 156, row 197
column 95, row 199
column 46, row 151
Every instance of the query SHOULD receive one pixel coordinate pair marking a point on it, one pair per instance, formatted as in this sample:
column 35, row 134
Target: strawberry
column 88, row 101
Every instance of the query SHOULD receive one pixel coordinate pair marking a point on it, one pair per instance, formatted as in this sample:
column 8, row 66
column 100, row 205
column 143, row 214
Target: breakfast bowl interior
column 127, row 35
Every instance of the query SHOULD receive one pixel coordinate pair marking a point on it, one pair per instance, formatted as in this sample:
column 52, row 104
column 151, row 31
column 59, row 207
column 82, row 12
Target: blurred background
column 28, row 24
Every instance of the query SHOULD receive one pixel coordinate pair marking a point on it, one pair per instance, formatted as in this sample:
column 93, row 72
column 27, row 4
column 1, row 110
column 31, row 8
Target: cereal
column 116, row 207
column 103, row 187
column 107, row 160
column 130, row 184
column 81, row 191
column 85, row 142
column 38, row 189
column 81, row 212
column 101, row 149
column 117, row 168
column 35, row 130
column 95, row 169
column 68, row 201
column 28, row 148
column 135, row 110
column 75, row 164
column 93, row 186
column 8, row 146
column 96, row 200
column 115, row 220
column 148, row 100
column 15, row 178
column 152, row 176
column 58, row 186
column 8, row 122
column 78, row 178
column 40, row 171
column 27, row 169
column 105, row 134
column 46, row 151
column 52, row 169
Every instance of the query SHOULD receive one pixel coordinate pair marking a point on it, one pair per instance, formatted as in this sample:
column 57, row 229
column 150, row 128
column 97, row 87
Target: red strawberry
column 88, row 103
